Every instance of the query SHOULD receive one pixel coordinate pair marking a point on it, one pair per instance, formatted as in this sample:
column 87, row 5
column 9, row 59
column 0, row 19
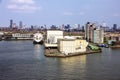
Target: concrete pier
column 55, row 53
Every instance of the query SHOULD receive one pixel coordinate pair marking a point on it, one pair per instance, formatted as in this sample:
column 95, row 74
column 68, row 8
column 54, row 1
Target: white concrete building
column 22, row 36
column 52, row 37
column 72, row 46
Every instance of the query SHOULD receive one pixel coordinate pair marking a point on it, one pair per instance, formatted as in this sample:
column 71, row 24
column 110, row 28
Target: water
column 21, row 60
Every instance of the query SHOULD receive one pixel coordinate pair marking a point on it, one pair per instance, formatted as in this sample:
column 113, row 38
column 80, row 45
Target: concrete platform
column 47, row 45
column 56, row 53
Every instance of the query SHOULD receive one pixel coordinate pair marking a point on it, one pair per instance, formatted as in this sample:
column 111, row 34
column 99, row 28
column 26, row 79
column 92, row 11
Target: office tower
column 32, row 27
column 62, row 27
column 67, row 27
column 20, row 24
column 114, row 27
column 11, row 23
column 86, row 28
column 78, row 26
column 91, row 29
column 83, row 28
column 88, row 31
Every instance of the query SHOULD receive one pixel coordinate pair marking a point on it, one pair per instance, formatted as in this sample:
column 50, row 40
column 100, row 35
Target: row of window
column 21, row 35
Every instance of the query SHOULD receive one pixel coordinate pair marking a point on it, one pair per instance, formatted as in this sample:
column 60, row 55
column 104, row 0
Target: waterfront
column 21, row 60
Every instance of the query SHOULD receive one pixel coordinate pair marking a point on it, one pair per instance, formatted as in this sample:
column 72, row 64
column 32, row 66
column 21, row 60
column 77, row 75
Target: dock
column 56, row 53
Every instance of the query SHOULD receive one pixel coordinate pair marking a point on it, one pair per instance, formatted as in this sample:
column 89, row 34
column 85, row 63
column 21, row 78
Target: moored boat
column 38, row 38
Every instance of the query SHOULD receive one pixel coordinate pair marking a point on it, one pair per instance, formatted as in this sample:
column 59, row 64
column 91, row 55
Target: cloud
column 68, row 13
column 23, row 1
column 75, row 13
column 24, row 6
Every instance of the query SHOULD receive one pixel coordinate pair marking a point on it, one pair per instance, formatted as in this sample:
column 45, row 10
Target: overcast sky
column 58, row 12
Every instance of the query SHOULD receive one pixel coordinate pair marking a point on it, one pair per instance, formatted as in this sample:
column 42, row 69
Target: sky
column 58, row 12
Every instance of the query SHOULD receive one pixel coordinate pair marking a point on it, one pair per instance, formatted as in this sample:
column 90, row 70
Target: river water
column 21, row 60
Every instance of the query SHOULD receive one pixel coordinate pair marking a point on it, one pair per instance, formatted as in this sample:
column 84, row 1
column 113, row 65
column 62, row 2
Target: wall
column 53, row 35
column 72, row 45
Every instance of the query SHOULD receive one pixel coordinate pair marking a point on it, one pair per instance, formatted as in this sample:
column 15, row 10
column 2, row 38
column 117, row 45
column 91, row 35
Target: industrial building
column 72, row 46
column 21, row 36
column 52, row 37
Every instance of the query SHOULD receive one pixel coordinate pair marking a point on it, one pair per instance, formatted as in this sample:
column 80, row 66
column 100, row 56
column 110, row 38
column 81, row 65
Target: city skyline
column 39, row 12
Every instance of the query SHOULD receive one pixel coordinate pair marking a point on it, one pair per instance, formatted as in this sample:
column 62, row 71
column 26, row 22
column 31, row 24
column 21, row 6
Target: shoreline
column 14, row 39
column 57, row 54
column 114, row 47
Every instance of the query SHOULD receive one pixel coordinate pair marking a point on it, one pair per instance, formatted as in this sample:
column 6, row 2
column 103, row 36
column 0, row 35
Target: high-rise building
column 86, row 28
column 98, row 36
column 78, row 26
column 62, row 27
column 89, row 27
column 11, row 23
column 93, row 33
column 32, row 27
column 67, row 27
column 20, row 24
column 83, row 28
column 114, row 27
